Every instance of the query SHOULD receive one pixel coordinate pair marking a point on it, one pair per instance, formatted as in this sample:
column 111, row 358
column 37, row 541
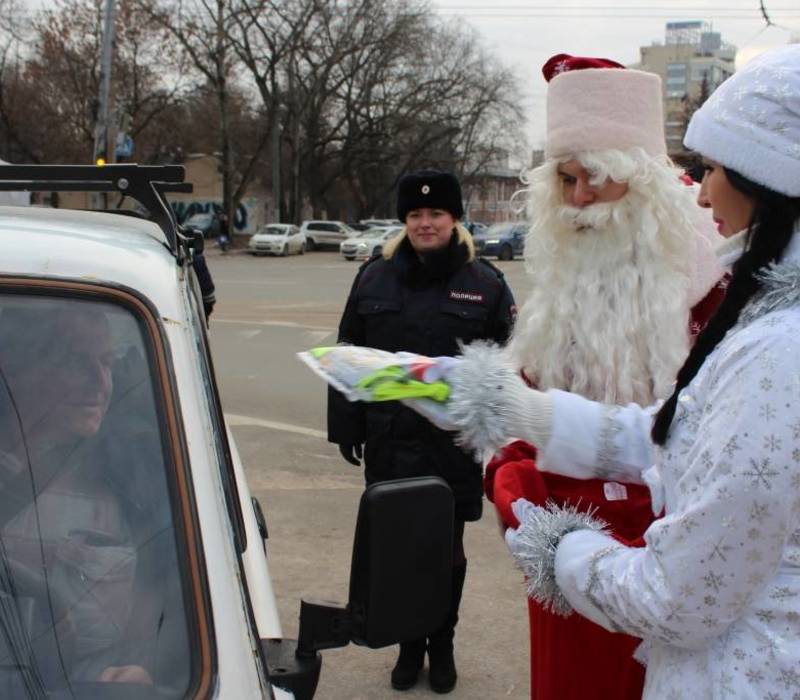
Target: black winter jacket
column 427, row 308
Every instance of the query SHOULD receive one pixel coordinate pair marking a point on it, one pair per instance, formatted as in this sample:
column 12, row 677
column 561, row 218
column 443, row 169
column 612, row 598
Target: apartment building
column 692, row 61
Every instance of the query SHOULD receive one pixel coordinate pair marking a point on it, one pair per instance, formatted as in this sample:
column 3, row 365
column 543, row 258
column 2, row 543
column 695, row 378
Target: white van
column 133, row 557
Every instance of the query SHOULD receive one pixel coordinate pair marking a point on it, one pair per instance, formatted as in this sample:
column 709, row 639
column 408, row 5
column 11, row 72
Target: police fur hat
column 433, row 189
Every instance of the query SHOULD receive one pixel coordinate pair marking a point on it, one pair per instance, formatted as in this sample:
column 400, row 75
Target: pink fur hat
column 594, row 109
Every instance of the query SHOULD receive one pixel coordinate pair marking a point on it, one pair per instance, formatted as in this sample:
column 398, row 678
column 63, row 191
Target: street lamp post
column 101, row 152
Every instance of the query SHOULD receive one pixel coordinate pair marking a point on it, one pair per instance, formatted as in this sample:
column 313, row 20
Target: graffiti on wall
column 243, row 218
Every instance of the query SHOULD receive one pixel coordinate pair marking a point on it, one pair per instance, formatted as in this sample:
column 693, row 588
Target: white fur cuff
column 535, row 544
column 490, row 404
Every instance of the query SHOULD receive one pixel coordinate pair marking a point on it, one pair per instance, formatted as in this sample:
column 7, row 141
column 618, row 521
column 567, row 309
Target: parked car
column 368, row 243
column 277, row 239
column 207, row 222
column 140, row 555
column 381, row 222
column 504, row 241
column 321, row 234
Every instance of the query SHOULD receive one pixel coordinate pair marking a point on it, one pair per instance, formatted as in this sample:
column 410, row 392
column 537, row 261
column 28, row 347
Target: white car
column 368, row 243
column 381, row 222
column 132, row 553
column 277, row 239
column 320, row 234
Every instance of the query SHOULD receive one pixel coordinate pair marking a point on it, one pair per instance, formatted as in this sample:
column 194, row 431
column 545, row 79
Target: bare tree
column 415, row 92
column 204, row 30
column 14, row 29
column 56, row 79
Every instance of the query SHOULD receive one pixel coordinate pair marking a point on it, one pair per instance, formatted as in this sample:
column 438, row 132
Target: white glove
column 522, row 509
column 535, row 542
column 490, row 403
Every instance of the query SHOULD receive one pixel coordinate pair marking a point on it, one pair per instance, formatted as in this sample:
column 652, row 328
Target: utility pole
column 276, row 166
column 101, row 152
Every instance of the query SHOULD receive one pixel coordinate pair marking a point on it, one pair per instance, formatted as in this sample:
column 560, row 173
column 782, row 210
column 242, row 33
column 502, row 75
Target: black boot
column 409, row 664
column 443, row 676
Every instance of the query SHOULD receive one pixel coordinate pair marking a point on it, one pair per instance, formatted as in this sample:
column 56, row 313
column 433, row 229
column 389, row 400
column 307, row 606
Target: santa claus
column 624, row 274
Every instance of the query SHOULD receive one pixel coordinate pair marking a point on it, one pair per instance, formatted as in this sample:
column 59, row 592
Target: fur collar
column 780, row 285
column 438, row 265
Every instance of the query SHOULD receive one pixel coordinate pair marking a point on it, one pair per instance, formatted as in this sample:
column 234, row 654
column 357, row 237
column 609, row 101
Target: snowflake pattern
column 718, row 620
column 772, row 443
column 761, row 472
column 766, row 412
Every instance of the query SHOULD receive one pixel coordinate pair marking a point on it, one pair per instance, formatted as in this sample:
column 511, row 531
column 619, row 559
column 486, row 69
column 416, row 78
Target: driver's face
column 73, row 386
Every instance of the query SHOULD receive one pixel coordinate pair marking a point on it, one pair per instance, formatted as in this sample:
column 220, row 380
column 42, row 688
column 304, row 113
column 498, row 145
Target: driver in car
column 66, row 540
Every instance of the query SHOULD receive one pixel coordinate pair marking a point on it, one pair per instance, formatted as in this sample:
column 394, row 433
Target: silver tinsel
column 780, row 289
column 538, row 538
column 479, row 406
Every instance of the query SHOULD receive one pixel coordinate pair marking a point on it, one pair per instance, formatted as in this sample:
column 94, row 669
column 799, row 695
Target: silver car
column 325, row 233
column 368, row 243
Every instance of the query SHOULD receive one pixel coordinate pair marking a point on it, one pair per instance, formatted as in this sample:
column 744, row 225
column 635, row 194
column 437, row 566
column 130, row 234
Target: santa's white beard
column 608, row 315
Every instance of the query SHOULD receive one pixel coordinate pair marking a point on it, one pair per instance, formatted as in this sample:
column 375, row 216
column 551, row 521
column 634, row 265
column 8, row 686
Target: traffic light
column 101, row 150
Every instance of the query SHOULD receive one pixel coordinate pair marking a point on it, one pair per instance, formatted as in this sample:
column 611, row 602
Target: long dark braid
column 768, row 234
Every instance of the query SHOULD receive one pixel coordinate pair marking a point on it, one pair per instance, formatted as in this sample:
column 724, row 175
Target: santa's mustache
column 597, row 216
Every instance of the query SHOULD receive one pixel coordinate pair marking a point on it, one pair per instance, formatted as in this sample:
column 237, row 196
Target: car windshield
column 498, row 230
column 274, row 230
column 91, row 591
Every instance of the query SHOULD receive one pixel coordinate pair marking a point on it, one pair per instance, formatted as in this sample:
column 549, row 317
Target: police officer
column 426, row 293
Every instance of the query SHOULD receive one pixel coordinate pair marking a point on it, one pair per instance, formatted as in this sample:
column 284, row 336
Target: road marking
column 249, row 335
column 236, row 420
column 316, row 337
column 283, row 324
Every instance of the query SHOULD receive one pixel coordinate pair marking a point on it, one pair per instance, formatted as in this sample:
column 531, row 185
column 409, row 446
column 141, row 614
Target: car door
column 519, row 240
column 97, row 546
column 295, row 239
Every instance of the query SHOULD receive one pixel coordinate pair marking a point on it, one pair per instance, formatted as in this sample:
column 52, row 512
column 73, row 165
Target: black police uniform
column 427, row 308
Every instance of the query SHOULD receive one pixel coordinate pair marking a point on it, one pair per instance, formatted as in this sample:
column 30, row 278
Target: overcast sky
column 525, row 33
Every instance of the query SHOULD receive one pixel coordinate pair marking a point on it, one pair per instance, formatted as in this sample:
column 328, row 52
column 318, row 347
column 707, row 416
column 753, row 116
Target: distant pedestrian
column 425, row 294
column 223, row 238
column 206, row 283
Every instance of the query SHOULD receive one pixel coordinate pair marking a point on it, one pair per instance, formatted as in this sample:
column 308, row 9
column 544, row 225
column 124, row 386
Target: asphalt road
column 268, row 309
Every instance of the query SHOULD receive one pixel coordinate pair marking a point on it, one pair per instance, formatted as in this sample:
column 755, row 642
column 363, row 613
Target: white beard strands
column 608, row 315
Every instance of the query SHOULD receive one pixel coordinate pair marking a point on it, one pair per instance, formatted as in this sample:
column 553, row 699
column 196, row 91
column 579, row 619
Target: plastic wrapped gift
column 367, row 374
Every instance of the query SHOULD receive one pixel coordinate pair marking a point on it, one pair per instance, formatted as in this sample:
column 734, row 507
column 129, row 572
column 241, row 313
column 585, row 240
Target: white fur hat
column 597, row 109
column 751, row 124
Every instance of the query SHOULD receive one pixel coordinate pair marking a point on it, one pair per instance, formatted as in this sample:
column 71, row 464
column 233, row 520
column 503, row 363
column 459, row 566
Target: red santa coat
column 573, row 658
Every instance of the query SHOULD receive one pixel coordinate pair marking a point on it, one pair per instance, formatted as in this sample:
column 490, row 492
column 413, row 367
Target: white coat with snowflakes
column 715, row 594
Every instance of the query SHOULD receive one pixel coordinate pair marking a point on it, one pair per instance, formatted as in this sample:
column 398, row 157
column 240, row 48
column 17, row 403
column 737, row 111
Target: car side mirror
column 399, row 581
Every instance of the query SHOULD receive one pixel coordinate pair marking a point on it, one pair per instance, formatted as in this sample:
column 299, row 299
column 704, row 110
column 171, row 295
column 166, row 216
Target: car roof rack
column 147, row 184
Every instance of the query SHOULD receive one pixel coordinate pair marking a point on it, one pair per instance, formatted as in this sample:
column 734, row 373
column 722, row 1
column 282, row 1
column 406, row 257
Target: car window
column 497, row 230
column 91, row 582
column 275, row 230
